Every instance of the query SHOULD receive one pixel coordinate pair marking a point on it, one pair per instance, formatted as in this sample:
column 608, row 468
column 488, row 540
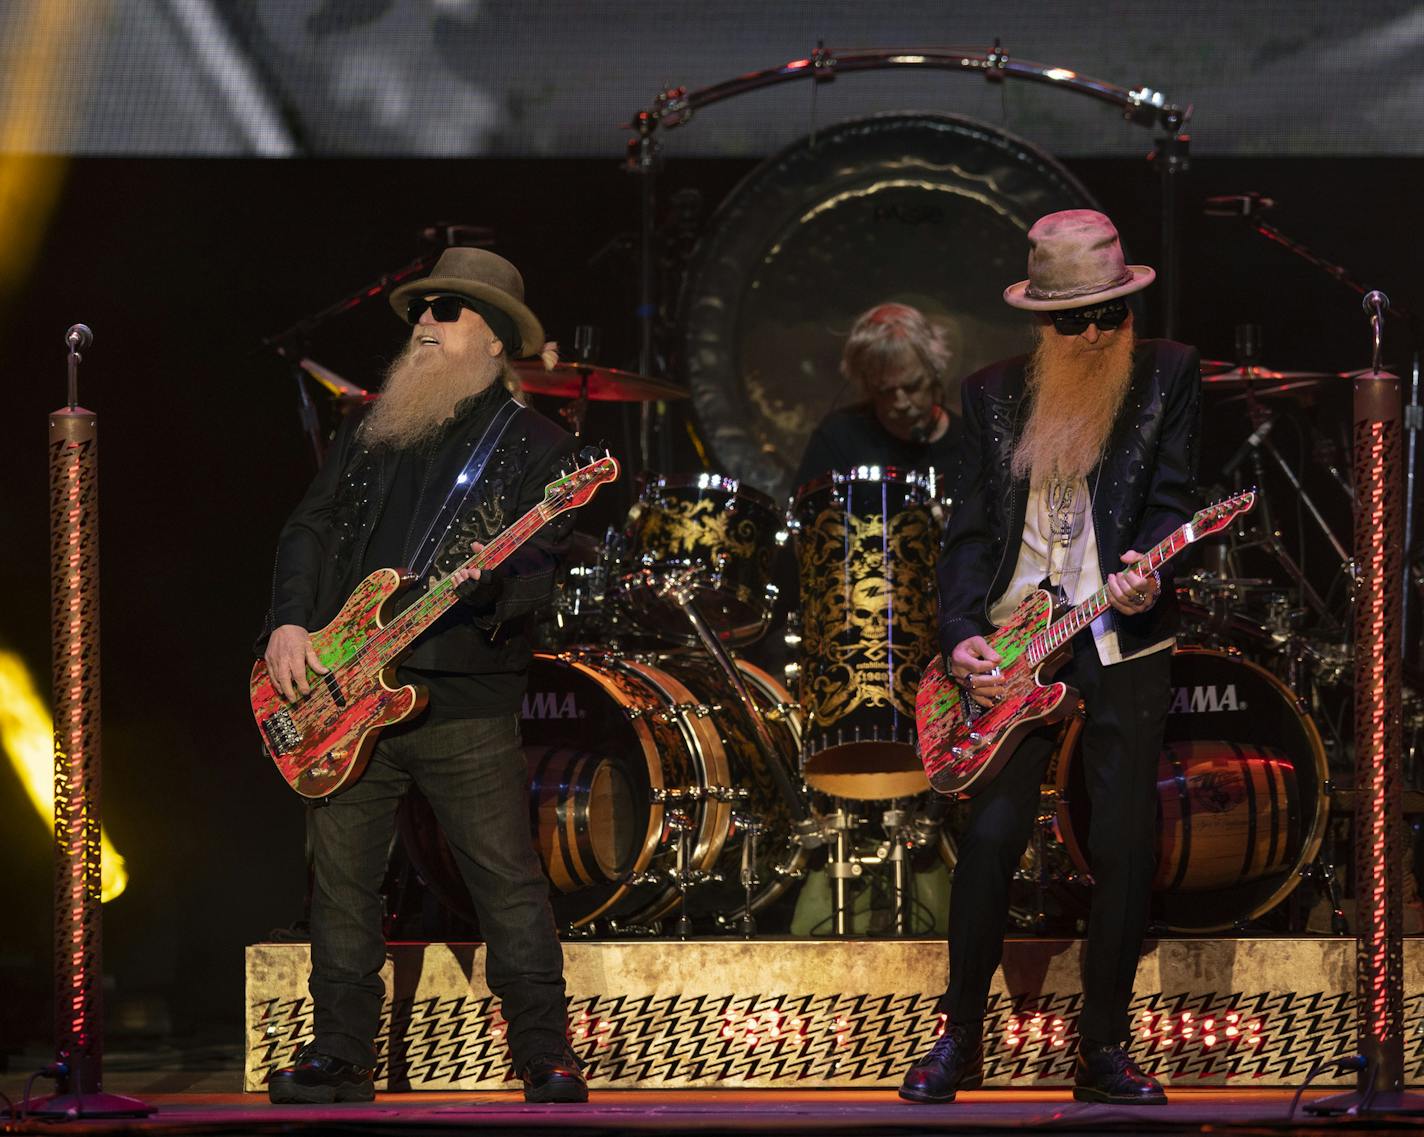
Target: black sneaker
column 553, row 1078
column 1108, row 1074
column 955, row 1062
column 320, row 1079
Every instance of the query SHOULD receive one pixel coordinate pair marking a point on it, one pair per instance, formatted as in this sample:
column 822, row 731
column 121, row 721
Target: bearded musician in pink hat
column 1078, row 458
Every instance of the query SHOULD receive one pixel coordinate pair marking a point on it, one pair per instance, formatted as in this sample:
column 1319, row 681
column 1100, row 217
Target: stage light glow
column 27, row 737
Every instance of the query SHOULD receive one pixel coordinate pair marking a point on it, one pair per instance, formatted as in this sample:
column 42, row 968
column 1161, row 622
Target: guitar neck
column 401, row 632
column 1069, row 625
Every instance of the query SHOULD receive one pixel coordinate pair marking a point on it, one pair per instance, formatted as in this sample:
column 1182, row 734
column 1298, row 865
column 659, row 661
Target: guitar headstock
column 1214, row 518
column 574, row 490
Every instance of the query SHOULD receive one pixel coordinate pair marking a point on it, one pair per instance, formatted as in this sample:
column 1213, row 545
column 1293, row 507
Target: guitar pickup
column 337, row 695
column 281, row 732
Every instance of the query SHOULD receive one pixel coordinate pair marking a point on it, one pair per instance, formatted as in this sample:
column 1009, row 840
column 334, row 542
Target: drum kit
column 677, row 786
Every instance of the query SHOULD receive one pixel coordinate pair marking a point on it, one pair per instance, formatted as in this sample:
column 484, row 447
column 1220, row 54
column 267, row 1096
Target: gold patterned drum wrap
column 712, row 532
column 866, row 544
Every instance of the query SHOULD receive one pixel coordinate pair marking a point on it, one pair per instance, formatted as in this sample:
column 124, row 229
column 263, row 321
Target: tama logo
column 1204, row 700
column 549, row 705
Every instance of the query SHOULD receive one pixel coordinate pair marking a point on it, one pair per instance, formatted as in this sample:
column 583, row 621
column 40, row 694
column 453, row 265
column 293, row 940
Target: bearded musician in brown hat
column 444, row 462
column 1077, row 458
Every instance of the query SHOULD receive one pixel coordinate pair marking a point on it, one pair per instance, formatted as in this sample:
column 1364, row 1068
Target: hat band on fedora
column 1035, row 293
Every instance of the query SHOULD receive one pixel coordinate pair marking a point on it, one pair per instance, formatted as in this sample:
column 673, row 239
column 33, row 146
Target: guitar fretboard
column 400, row 633
column 1066, row 627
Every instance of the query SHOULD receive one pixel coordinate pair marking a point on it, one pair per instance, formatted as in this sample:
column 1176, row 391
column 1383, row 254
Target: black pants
column 1126, row 707
column 474, row 774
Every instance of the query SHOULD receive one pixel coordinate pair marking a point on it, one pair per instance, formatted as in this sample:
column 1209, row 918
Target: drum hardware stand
column 751, row 829
column 842, row 866
column 1322, row 874
column 680, row 587
column 1268, row 538
column 1172, row 157
column 586, row 339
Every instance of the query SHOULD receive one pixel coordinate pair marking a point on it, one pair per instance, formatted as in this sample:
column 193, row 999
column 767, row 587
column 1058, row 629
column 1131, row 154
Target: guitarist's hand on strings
column 1131, row 593
column 975, row 662
column 464, row 573
column 289, row 654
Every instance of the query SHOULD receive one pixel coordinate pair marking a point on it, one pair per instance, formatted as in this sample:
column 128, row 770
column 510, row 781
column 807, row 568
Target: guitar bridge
column 281, row 732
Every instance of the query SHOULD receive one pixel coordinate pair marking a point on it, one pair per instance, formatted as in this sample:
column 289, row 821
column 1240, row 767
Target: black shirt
column 853, row 436
column 452, row 694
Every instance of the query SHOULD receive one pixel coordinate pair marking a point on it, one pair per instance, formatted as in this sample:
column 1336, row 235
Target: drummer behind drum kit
column 675, row 787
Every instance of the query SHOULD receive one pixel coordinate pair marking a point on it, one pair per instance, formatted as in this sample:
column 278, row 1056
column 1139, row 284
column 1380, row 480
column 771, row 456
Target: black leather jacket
column 322, row 546
column 1146, row 488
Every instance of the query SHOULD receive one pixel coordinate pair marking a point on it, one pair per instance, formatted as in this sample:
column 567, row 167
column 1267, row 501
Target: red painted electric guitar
column 322, row 742
column 962, row 744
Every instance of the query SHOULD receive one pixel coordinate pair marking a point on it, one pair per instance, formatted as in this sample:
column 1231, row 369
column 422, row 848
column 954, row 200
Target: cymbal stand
column 681, row 586
column 1269, row 539
column 575, row 412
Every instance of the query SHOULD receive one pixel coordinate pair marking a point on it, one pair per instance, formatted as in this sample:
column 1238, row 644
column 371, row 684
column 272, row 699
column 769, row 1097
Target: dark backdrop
column 182, row 266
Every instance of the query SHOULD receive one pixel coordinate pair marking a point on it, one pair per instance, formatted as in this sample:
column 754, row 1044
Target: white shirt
column 1073, row 568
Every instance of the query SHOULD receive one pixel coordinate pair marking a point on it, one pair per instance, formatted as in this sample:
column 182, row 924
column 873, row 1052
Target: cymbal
column 1261, row 379
column 604, row 384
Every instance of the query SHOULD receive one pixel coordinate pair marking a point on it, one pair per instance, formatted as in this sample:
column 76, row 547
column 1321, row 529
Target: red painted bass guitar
column 322, row 742
column 962, row 744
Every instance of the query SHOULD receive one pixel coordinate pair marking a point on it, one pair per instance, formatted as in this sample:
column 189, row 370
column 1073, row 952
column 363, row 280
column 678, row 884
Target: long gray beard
column 418, row 398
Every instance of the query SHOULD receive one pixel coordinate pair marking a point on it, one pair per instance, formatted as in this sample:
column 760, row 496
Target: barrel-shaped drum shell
column 866, row 543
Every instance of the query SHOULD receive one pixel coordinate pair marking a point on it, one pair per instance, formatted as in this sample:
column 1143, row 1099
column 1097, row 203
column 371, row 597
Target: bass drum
column 628, row 757
column 923, row 209
column 1242, row 795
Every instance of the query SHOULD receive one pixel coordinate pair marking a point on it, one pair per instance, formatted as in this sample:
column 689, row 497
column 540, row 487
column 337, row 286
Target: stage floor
column 715, row 1111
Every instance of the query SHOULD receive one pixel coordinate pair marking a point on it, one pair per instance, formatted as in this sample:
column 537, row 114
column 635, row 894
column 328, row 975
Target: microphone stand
column 1379, row 305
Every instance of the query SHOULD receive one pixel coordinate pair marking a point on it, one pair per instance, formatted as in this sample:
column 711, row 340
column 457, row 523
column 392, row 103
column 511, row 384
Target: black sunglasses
column 445, row 309
column 1074, row 321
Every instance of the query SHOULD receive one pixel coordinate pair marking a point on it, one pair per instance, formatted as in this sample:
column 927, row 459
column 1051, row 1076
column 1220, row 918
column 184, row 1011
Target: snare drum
column 711, row 534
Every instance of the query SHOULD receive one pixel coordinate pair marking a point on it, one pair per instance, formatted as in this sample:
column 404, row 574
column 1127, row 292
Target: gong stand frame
column 676, row 106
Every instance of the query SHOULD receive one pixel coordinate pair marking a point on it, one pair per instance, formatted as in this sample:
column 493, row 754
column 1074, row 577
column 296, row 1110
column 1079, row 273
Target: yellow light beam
column 27, row 736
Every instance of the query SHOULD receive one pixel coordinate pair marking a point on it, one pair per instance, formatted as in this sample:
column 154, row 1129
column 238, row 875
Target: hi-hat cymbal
column 599, row 384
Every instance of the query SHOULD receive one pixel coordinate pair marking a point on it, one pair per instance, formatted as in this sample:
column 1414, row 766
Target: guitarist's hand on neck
column 1132, row 593
column 974, row 661
column 289, row 654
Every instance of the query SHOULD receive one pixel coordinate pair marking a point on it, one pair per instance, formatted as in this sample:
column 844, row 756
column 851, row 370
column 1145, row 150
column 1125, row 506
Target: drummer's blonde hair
column 890, row 337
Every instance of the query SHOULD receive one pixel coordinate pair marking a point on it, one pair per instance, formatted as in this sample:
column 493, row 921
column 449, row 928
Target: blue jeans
column 475, row 777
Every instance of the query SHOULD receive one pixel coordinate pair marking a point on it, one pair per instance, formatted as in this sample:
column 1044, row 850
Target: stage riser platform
column 846, row 1014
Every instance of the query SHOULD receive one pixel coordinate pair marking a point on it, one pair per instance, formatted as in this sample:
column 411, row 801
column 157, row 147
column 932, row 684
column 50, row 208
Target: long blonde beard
column 1074, row 396
column 421, row 391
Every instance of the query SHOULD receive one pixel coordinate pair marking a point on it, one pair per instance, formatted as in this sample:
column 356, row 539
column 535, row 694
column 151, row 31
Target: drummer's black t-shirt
column 853, row 436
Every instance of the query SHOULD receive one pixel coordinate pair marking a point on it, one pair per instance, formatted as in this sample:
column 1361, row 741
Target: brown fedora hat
column 1074, row 260
column 478, row 274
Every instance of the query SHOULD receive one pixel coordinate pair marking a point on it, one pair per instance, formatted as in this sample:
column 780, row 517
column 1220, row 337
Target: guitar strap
column 448, row 513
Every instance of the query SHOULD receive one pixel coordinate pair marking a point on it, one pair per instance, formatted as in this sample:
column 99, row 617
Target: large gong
column 926, row 209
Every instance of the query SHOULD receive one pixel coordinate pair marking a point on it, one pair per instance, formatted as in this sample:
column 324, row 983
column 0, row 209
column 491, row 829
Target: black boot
column 1107, row 1073
column 553, row 1077
column 319, row 1079
column 955, row 1062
